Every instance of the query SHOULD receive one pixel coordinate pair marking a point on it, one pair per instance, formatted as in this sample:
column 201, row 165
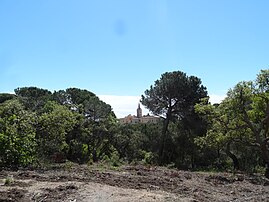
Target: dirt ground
column 129, row 183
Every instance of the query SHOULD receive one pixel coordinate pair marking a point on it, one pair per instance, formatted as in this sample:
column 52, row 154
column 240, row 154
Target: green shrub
column 17, row 135
column 9, row 180
column 149, row 158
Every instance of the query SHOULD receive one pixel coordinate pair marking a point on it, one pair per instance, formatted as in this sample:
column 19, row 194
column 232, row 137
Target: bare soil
column 129, row 183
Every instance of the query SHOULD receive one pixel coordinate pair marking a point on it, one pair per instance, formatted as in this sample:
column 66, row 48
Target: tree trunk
column 232, row 156
column 94, row 156
column 265, row 156
column 263, row 144
column 163, row 143
column 266, row 174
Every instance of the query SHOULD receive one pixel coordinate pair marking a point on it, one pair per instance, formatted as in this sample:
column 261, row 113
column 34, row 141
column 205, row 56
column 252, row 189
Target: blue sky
column 121, row 47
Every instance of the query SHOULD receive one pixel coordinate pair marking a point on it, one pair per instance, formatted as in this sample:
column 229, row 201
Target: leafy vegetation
column 173, row 97
column 241, row 123
column 73, row 125
column 17, row 134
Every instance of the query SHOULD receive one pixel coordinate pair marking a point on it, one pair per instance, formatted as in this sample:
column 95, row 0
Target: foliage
column 84, row 102
column 129, row 140
column 241, row 121
column 149, row 158
column 6, row 96
column 93, row 132
column 113, row 160
column 17, row 135
column 53, row 125
column 72, row 123
column 173, row 97
column 9, row 180
column 75, row 125
column 33, row 98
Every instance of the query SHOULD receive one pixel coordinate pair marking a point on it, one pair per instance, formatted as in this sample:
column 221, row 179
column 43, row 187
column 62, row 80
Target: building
column 139, row 118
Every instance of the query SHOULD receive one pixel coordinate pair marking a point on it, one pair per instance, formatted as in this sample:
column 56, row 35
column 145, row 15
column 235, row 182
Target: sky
column 118, row 48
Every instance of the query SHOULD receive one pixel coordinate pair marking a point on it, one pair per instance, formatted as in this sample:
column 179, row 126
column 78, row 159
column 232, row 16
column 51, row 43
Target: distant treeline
column 38, row 126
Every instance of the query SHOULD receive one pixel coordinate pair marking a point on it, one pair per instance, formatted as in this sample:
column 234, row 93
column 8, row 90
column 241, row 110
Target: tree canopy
column 173, row 97
column 242, row 118
column 37, row 125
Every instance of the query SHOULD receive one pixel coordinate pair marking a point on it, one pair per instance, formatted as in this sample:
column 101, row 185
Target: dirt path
column 78, row 191
column 131, row 183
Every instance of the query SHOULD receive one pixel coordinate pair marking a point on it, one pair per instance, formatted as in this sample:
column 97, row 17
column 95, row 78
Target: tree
column 84, row 102
column 101, row 139
column 130, row 141
column 6, row 96
column 225, row 131
column 246, row 115
column 92, row 135
column 53, row 125
column 17, row 135
column 33, row 98
column 250, row 101
column 173, row 97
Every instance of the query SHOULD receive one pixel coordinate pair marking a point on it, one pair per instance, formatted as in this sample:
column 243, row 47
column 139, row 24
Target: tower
column 139, row 111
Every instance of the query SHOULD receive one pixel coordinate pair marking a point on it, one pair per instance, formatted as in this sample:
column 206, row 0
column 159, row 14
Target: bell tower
column 139, row 111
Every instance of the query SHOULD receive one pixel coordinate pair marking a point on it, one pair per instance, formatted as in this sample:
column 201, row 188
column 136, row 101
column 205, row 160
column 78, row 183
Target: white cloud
column 125, row 105
column 216, row 98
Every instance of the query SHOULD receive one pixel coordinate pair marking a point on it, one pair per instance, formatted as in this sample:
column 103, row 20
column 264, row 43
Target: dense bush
column 17, row 135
